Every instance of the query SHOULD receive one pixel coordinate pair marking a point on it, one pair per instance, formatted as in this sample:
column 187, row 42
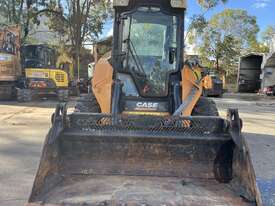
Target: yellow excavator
column 144, row 135
column 44, row 73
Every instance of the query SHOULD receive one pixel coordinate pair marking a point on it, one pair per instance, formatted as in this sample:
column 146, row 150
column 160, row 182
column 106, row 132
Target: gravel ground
column 23, row 128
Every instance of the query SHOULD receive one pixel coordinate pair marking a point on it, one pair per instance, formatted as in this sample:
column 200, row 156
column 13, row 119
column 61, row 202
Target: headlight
column 178, row 4
column 120, row 2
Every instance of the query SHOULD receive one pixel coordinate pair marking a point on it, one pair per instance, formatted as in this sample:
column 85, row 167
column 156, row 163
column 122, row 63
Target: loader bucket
column 97, row 159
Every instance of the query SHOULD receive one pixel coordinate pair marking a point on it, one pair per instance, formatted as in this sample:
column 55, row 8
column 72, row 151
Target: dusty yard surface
column 23, row 128
column 257, row 112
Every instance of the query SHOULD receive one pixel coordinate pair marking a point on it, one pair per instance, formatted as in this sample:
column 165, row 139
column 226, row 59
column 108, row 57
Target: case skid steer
column 144, row 135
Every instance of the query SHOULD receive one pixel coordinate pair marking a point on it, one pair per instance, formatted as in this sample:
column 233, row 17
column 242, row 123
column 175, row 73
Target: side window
column 9, row 43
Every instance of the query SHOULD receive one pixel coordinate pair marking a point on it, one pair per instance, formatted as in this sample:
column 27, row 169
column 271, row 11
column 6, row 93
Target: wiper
column 133, row 52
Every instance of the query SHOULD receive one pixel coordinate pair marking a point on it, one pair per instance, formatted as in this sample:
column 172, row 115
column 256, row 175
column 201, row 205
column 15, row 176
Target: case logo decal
column 147, row 105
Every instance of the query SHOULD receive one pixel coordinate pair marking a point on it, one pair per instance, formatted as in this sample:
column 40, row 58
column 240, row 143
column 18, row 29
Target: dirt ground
column 23, row 128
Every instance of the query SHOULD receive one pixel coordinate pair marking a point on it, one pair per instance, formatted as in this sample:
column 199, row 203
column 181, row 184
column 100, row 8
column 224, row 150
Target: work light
column 120, row 2
column 178, row 4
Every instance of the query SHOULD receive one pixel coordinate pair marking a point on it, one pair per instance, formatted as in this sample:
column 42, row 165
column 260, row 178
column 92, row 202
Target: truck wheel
column 205, row 107
column 87, row 103
column 24, row 95
column 63, row 95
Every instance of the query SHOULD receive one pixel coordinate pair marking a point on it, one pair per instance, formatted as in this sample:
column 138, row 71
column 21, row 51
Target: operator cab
column 148, row 51
column 7, row 42
column 38, row 56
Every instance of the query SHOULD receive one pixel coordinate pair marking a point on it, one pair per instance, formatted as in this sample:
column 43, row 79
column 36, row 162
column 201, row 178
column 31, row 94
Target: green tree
column 236, row 23
column 224, row 37
column 79, row 21
column 218, row 49
column 258, row 47
column 268, row 34
column 208, row 4
column 198, row 21
column 24, row 13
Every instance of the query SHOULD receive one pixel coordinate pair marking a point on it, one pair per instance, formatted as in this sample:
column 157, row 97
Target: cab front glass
column 149, row 43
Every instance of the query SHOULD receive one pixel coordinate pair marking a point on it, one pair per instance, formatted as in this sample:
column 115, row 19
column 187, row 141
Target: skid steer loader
column 144, row 135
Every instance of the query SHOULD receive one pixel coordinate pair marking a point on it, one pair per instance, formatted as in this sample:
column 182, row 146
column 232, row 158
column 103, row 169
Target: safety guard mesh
column 153, row 125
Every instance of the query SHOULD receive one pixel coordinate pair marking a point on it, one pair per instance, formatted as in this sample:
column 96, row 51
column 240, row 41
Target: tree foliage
column 78, row 21
column 22, row 12
column 224, row 37
column 236, row 23
column 268, row 34
column 208, row 4
column 198, row 21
